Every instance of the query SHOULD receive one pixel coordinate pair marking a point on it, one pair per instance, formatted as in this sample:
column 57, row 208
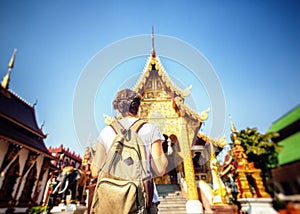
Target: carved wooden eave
column 189, row 112
column 217, row 142
column 154, row 63
column 168, row 91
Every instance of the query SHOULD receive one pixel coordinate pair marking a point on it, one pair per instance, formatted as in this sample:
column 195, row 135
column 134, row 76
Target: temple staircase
column 171, row 199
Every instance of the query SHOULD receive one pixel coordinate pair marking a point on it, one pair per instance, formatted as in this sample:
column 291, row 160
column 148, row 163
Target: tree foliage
column 261, row 150
column 259, row 147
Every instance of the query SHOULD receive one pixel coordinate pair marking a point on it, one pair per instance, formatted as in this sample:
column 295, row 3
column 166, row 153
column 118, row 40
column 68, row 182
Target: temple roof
column 65, row 151
column 202, row 139
column 290, row 149
column 289, row 135
column 18, row 111
column 286, row 120
column 18, row 122
column 153, row 63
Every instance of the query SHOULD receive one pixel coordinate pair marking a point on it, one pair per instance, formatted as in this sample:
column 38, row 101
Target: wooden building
column 24, row 158
column 65, row 157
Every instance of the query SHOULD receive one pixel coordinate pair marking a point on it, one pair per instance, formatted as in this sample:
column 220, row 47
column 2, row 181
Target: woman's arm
column 159, row 161
column 98, row 159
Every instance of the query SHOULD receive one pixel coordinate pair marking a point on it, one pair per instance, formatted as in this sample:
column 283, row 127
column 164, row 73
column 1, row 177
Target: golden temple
column 163, row 104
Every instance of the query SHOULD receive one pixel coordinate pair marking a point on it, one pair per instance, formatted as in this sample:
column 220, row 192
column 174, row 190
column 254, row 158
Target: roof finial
column 153, row 50
column 35, row 103
column 233, row 131
column 232, row 127
column 5, row 81
column 42, row 126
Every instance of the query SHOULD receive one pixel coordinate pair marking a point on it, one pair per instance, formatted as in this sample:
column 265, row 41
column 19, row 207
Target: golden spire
column 233, row 129
column 5, row 81
column 12, row 60
column 153, row 50
column 234, row 133
column 212, row 152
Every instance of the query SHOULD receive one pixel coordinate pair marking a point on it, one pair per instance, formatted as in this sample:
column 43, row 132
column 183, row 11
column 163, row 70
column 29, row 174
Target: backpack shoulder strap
column 148, row 182
column 119, row 128
column 137, row 125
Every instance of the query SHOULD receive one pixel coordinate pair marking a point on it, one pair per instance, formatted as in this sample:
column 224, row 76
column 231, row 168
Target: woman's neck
column 130, row 115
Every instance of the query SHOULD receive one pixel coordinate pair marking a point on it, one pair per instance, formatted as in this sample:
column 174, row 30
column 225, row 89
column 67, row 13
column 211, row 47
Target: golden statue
column 248, row 178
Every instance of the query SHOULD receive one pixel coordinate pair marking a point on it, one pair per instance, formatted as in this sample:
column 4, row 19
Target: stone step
column 170, row 194
column 174, row 207
column 171, row 200
column 171, row 212
column 171, row 204
column 175, row 201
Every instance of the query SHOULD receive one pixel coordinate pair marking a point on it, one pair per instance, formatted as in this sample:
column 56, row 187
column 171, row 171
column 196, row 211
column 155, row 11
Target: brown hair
column 127, row 101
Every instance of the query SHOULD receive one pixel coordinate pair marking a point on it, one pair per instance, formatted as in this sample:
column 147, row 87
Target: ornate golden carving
column 219, row 191
column 163, row 104
column 188, row 162
column 246, row 171
column 160, row 74
column 204, row 114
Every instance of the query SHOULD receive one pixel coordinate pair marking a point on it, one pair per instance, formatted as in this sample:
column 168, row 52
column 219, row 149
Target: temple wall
column 3, row 150
column 23, row 154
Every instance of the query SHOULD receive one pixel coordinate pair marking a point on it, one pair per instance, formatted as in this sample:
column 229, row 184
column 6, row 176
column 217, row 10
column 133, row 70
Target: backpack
column 124, row 184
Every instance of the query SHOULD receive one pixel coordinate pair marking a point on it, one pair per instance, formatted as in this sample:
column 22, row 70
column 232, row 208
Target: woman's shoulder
column 147, row 126
column 107, row 130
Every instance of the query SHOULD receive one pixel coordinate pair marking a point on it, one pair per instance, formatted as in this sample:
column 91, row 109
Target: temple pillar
column 259, row 184
column 243, row 185
column 193, row 204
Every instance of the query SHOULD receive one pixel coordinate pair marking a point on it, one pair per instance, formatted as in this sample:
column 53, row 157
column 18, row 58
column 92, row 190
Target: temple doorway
column 174, row 171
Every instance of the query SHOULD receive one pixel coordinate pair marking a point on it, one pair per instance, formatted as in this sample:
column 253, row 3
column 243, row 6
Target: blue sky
column 253, row 47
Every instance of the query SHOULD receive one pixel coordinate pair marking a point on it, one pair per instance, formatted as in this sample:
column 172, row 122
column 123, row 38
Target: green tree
column 262, row 151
